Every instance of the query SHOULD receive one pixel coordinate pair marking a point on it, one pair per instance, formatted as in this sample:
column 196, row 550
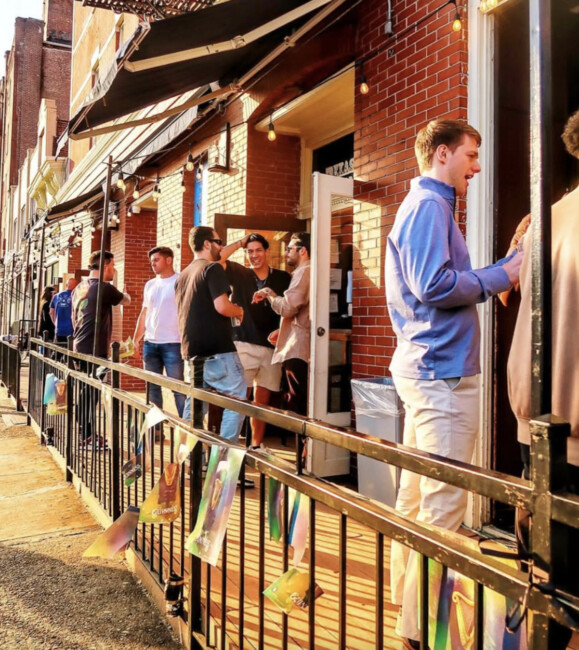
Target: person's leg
column 408, row 504
column 224, row 373
column 445, row 416
column 267, row 381
column 296, row 374
column 173, row 362
column 153, row 362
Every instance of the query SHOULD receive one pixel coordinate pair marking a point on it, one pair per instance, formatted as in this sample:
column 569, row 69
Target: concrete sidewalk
column 49, row 596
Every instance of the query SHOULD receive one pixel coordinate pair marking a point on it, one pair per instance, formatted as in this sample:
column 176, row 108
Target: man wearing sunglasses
column 205, row 311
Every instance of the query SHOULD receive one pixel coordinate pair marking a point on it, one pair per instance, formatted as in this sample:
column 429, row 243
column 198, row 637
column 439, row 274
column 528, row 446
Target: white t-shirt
column 161, row 325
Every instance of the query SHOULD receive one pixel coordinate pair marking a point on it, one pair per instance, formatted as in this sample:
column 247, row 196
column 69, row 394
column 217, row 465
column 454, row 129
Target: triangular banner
column 116, row 537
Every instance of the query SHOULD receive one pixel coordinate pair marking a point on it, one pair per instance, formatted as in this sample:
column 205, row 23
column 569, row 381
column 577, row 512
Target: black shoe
column 411, row 643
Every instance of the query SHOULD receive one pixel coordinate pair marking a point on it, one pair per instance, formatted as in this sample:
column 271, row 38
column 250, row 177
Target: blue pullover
column 431, row 289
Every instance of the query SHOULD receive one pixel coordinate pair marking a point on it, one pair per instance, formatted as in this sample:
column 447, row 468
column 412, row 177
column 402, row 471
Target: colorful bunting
column 218, row 492
column 292, row 589
column 54, row 395
column 299, row 508
column 116, row 537
column 163, row 505
column 274, row 501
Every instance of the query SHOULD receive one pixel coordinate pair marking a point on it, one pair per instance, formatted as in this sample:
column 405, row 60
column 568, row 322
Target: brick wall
column 58, row 20
column 27, row 85
column 129, row 244
column 55, row 69
column 422, row 77
column 273, row 178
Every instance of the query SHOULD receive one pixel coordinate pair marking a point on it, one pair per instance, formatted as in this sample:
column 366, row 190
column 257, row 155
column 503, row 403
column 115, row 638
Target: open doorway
column 512, row 178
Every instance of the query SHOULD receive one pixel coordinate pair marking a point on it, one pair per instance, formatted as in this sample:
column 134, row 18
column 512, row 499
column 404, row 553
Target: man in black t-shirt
column 251, row 337
column 84, row 307
column 205, row 312
column 84, row 311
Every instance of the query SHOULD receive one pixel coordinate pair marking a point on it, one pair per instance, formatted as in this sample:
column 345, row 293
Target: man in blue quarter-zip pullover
column 432, row 293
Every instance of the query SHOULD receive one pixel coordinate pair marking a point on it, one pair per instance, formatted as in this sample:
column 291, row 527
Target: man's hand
column 513, row 267
column 239, row 316
column 260, row 295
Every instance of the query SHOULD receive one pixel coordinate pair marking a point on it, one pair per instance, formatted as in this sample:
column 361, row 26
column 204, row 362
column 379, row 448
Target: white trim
column 480, row 222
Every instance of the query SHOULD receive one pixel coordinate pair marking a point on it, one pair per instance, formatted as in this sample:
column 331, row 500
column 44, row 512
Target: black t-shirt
column 46, row 324
column 259, row 319
column 84, row 306
column 204, row 331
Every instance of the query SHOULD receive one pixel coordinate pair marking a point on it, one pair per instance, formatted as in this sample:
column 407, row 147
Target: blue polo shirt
column 62, row 304
column 431, row 288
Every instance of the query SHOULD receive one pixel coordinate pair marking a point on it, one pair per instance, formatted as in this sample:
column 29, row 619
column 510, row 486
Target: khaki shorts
column 257, row 366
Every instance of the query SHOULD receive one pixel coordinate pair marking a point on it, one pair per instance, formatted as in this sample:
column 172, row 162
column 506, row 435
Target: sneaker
column 411, row 644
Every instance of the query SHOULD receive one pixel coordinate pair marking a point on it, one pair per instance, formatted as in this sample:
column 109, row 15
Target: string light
column 456, row 23
column 199, row 174
column 190, row 164
column 136, row 193
column 156, row 192
column 121, row 181
column 271, row 134
column 183, row 188
column 364, row 88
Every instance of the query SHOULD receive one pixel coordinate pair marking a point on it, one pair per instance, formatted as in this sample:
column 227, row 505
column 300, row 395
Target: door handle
column 321, row 331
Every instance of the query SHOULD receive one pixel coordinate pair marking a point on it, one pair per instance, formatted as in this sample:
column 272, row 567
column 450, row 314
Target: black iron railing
column 348, row 533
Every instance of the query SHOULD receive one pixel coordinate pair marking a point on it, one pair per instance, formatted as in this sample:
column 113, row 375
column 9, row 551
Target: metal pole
column 105, row 226
column 27, row 281
column 40, row 279
column 116, row 433
column 541, row 121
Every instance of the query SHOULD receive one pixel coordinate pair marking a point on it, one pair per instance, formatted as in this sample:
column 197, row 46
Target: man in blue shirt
column 61, row 312
column 432, row 293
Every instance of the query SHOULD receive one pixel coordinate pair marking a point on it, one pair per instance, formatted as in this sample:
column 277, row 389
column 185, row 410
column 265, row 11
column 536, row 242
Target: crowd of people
column 245, row 330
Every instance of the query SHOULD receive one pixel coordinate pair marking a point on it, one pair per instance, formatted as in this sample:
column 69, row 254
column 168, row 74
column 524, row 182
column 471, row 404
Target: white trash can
column 379, row 413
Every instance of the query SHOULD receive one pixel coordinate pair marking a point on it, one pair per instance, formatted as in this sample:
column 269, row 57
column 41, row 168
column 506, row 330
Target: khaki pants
column 441, row 418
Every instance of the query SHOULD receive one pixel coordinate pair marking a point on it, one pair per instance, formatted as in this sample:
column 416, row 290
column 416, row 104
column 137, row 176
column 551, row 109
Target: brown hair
column 437, row 132
column 198, row 236
column 571, row 135
column 165, row 251
column 94, row 261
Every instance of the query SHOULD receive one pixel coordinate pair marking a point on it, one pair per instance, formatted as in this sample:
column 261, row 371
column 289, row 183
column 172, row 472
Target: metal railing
column 10, row 360
column 225, row 604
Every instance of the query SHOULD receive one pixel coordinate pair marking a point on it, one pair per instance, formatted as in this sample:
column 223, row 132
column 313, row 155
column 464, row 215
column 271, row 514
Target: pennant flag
column 163, row 505
column 153, row 417
column 54, row 395
column 184, row 444
column 299, row 508
column 127, row 348
column 116, row 537
column 218, row 492
column 274, row 499
column 292, row 589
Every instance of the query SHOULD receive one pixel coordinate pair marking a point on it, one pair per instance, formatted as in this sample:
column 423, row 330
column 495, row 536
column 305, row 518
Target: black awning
column 72, row 206
column 217, row 44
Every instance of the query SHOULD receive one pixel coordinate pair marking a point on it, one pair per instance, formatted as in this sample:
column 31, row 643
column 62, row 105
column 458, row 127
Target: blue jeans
column 157, row 356
column 224, row 373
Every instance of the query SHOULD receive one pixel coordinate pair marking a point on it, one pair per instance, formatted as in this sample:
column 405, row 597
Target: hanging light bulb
column 136, row 193
column 199, row 174
column 183, row 188
column 121, row 181
column 491, row 4
column 456, row 23
column 364, row 88
column 271, row 134
column 156, row 192
column 190, row 164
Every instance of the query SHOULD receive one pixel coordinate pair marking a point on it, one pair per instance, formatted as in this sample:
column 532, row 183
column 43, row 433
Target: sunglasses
column 217, row 241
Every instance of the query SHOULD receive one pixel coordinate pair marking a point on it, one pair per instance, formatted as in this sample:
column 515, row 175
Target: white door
column 331, row 315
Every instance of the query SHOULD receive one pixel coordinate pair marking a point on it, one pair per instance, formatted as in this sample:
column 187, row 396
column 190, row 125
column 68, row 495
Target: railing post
column 17, row 370
column 115, row 439
column 43, row 381
column 69, row 413
column 549, row 540
column 195, row 482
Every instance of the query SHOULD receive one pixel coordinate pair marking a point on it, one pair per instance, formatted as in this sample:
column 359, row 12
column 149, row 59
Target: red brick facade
column 421, row 77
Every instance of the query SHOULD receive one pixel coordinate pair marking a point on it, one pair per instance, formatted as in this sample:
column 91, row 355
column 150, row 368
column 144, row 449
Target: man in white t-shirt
column 157, row 323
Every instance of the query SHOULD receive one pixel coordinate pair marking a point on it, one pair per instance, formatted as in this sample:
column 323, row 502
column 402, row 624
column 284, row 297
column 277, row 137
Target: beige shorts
column 257, row 366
